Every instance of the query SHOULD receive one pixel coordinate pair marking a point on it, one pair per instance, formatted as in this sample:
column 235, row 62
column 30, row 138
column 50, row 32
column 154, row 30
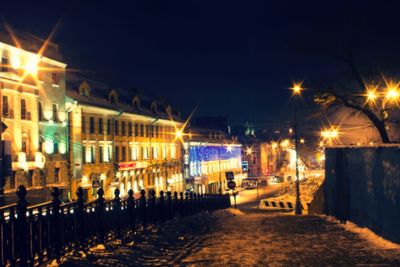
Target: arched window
column 136, row 102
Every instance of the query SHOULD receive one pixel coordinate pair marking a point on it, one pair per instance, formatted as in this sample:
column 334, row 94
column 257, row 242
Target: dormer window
column 84, row 89
column 135, row 103
column 113, row 97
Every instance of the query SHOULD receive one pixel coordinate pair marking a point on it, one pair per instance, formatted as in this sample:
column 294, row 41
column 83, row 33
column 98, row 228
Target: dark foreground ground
column 235, row 238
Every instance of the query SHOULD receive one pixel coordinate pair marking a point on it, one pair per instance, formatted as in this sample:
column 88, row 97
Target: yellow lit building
column 120, row 140
column 32, row 101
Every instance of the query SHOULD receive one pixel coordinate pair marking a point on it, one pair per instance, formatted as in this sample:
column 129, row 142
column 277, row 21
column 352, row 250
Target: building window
column 4, row 64
column 145, row 152
column 100, row 126
column 101, row 154
column 134, row 153
column 5, row 106
column 40, row 111
column 23, row 109
column 164, row 151
column 54, row 78
column 136, row 130
column 84, row 154
column 156, row 131
column 123, row 128
column 91, row 125
column 55, row 112
column 23, row 147
column 83, row 124
column 147, row 133
column 92, row 155
column 108, row 126
column 116, row 154
column 116, row 127
column 123, row 153
column 155, row 152
column 109, row 153
column 141, row 130
column 55, row 147
column 56, row 175
column 130, row 128
column 152, row 130
column 173, row 152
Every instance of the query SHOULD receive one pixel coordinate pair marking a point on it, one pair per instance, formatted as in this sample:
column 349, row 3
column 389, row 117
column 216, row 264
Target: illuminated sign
column 132, row 165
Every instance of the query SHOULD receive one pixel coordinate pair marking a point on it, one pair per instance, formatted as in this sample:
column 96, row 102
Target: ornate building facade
column 121, row 140
column 33, row 109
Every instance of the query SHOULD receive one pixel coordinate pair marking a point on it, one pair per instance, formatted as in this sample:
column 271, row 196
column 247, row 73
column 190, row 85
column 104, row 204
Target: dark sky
column 234, row 58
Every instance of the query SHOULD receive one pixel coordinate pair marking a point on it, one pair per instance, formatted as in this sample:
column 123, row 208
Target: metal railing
column 31, row 235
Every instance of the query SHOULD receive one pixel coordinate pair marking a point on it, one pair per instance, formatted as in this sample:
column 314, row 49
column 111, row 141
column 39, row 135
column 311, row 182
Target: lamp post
column 297, row 91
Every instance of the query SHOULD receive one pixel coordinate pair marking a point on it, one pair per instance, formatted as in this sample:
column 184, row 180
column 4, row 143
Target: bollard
column 55, row 225
column 181, row 204
column 100, row 207
column 21, row 236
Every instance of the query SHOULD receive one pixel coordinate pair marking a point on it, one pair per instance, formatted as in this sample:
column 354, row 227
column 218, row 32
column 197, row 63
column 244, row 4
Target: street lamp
column 297, row 91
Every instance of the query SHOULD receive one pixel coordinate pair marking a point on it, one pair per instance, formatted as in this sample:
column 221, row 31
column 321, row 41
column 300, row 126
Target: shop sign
column 132, row 165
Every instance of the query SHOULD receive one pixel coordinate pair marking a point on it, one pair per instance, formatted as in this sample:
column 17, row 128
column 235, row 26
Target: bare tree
column 360, row 99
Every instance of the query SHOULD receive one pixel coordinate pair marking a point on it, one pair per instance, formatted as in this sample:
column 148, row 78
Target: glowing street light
column 302, row 141
column 371, row 96
column 178, row 134
column 393, row 94
column 285, row 143
column 297, row 91
column 249, row 151
column 296, row 88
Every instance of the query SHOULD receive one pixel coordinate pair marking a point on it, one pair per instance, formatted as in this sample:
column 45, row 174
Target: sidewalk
column 277, row 239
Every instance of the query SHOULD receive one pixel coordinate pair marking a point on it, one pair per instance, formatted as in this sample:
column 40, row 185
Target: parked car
column 249, row 183
column 277, row 179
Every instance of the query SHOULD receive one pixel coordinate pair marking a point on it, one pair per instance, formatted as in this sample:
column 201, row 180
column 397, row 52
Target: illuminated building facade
column 209, row 155
column 119, row 140
column 32, row 101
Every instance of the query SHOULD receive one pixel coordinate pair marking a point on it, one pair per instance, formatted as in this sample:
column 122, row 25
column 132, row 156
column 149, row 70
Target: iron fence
column 31, row 235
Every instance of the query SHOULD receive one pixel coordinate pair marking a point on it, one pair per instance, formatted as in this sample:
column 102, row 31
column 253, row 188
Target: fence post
column 186, row 205
column 79, row 219
column 116, row 213
column 152, row 205
column 181, row 204
column 131, row 209
column 161, row 207
column 142, row 202
column 195, row 203
column 176, row 204
column 55, row 226
column 169, row 205
column 21, row 237
column 100, row 215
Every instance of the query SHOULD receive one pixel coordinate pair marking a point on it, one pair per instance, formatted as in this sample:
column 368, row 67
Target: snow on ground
column 278, row 239
column 365, row 233
column 308, row 188
column 252, row 238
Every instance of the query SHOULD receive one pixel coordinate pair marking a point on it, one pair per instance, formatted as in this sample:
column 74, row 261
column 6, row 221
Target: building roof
column 100, row 97
column 29, row 42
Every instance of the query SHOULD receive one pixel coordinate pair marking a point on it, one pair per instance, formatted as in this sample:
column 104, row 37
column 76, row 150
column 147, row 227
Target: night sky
column 234, row 58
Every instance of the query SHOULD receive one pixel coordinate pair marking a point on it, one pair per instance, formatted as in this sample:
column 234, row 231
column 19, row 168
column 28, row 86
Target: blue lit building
column 208, row 160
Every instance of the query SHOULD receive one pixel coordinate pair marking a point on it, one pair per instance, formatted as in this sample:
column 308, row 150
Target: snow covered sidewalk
column 277, row 239
column 233, row 238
